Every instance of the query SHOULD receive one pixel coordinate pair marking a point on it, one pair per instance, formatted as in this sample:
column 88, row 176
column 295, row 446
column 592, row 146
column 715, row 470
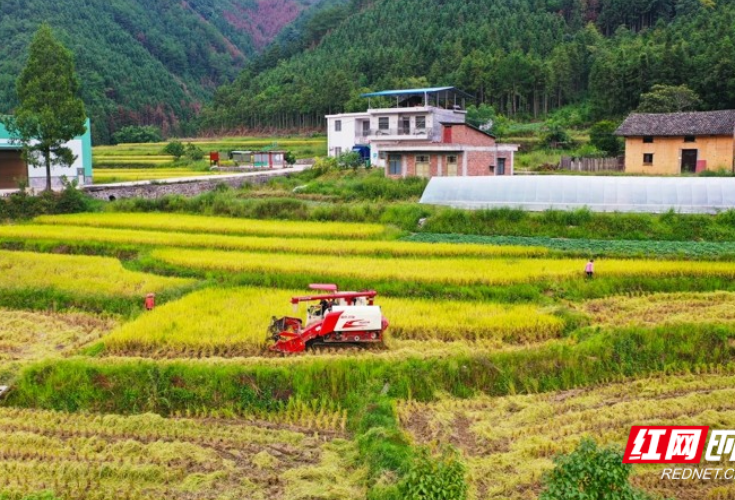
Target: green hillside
column 524, row 57
column 145, row 62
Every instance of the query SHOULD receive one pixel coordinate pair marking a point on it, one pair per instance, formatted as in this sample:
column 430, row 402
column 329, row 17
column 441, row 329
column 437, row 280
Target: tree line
column 526, row 58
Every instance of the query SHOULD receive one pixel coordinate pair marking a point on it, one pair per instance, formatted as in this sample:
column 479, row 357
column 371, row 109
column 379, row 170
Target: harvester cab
column 337, row 318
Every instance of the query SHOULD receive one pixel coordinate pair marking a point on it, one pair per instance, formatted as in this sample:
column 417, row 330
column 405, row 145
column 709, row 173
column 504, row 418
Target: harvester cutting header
column 339, row 318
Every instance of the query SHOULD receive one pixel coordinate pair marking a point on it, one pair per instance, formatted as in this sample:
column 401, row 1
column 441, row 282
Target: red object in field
column 340, row 318
column 150, row 301
column 214, row 157
column 701, row 166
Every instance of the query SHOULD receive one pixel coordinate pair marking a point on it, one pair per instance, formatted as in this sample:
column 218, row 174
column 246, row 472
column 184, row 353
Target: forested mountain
column 524, row 57
column 145, row 61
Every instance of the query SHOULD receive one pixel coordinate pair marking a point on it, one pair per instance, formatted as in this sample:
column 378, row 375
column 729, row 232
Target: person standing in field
column 590, row 268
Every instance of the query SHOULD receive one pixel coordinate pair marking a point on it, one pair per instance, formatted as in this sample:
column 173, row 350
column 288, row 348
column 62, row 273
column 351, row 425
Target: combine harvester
column 340, row 318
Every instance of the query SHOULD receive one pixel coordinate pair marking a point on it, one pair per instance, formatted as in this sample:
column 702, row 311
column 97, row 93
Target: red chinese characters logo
column 665, row 444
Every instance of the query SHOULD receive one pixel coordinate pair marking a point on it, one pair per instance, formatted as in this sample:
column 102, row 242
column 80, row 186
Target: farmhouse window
column 383, row 123
column 648, row 139
column 338, row 125
column 420, row 123
column 648, row 158
column 501, row 167
column 337, row 151
column 690, row 138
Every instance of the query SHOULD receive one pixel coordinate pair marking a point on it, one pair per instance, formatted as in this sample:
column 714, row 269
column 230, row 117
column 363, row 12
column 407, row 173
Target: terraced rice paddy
column 447, row 271
column 140, row 162
column 218, row 225
column 663, row 308
column 34, row 335
column 85, row 234
column 302, row 147
column 232, row 322
column 78, row 274
column 233, row 420
column 148, row 457
column 509, row 442
column 113, row 175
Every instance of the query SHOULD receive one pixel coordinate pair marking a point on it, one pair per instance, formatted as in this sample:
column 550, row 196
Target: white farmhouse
column 419, row 132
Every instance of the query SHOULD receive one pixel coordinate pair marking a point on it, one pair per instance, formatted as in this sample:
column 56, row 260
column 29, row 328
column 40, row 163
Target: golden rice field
column 300, row 448
column 233, row 322
column 112, row 175
column 79, row 274
column 303, row 147
column 663, row 308
column 147, row 457
column 218, row 225
column 85, row 234
column 450, row 271
column 509, row 442
column 102, row 161
column 26, row 335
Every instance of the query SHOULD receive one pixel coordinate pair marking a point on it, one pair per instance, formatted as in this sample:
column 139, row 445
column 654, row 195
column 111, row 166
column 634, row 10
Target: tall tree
column 669, row 99
column 50, row 112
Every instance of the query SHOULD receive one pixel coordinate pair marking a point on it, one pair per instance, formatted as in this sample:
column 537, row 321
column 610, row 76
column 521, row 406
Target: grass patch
column 127, row 386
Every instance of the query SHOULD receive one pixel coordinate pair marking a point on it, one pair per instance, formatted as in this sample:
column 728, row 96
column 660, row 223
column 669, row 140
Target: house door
column 422, row 166
column 688, row 161
column 501, row 167
column 13, row 169
column 394, row 164
column 452, row 166
column 405, row 127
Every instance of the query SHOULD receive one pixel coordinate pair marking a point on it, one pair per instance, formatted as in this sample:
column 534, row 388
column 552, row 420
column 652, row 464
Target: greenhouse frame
column 596, row 193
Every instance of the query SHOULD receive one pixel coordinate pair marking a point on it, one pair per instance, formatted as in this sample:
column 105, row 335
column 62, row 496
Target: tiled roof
column 692, row 123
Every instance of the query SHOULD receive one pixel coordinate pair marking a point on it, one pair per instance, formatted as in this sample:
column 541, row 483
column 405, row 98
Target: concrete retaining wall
column 153, row 190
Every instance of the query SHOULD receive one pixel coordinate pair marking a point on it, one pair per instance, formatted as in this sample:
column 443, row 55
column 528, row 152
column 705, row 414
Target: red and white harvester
column 339, row 318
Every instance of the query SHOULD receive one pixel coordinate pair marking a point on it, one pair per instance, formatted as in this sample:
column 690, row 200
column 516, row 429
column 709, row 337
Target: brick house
column 424, row 134
column 678, row 143
column 462, row 151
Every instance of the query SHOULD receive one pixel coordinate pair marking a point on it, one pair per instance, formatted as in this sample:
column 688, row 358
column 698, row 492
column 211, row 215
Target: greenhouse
column 597, row 193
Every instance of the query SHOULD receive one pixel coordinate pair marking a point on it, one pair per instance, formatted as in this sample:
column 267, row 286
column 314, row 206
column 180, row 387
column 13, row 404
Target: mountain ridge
column 525, row 58
column 146, row 62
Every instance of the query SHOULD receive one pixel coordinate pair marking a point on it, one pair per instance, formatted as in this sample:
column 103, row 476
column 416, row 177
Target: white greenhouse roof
column 598, row 193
